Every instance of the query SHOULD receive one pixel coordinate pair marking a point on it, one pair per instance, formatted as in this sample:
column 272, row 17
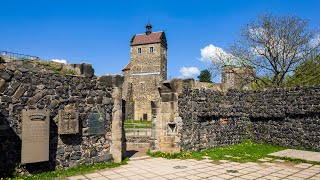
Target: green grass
column 128, row 124
column 246, row 151
column 77, row 170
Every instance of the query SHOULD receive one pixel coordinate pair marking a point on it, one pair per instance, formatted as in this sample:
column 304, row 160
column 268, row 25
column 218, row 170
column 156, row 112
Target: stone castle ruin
column 55, row 116
column 144, row 73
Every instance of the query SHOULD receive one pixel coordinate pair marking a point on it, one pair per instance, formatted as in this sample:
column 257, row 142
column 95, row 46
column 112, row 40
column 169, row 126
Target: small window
column 223, row 120
column 151, row 49
column 139, row 50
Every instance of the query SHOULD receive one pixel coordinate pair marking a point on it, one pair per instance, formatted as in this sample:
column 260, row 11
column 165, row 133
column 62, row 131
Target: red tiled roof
column 128, row 66
column 154, row 37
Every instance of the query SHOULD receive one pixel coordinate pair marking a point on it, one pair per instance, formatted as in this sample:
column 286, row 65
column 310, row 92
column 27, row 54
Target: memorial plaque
column 97, row 123
column 35, row 136
column 68, row 122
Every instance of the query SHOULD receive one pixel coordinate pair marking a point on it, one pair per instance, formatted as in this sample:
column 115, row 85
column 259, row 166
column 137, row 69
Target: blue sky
column 99, row 32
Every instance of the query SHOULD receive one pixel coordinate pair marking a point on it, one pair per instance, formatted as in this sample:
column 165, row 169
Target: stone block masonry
column 286, row 117
column 27, row 86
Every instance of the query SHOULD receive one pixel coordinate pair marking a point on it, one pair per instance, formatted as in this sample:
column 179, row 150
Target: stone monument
column 35, row 136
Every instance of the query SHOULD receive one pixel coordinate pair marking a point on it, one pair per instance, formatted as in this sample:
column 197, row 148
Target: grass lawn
column 73, row 171
column 246, row 151
column 128, row 124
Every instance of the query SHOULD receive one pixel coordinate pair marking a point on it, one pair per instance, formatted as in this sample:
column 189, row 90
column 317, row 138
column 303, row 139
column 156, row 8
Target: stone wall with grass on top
column 287, row 117
column 29, row 85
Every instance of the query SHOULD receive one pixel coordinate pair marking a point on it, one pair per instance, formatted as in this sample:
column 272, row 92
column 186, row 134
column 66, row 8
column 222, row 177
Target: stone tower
column 144, row 73
column 237, row 77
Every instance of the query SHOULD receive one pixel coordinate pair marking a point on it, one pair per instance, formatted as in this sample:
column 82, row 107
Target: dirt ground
column 136, row 150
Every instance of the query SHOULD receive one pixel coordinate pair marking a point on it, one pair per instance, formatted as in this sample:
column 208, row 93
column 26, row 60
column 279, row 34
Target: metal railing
column 17, row 55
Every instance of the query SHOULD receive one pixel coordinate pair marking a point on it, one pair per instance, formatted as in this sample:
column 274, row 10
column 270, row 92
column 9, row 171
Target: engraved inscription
column 68, row 122
column 35, row 136
column 97, row 123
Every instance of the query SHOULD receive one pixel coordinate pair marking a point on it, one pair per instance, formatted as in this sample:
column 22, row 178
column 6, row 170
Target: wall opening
column 172, row 129
column 145, row 117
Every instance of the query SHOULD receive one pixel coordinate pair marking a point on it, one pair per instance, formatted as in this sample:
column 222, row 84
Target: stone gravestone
column 35, row 136
column 97, row 123
column 68, row 121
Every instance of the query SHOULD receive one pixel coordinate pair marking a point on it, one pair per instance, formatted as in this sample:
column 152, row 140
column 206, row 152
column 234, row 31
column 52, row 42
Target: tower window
column 139, row 50
column 151, row 49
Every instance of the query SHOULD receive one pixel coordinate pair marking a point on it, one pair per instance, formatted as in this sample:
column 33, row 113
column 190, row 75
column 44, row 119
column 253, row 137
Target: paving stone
column 248, row 177
column 303, row 165
column 77, row 177
column 294, row 178
column 115, row 176
column 158, row 178
column 107, row 173
column 285, row 172
column 92, row 175
column 203, row 175
column 279, row 160
column 156, row 168
column 136, row 177
column 170, row 176
column 128, row 174
column 193, row 177
column 226, row 176
column 149, row 175
column 99, row 178
column 272, row 177
column 216, row 178
column 255, row 174
column 224, row 161
column 302, row 175
column 214, row 173
column 279, row 175
column 298, row 154
column 263, row 160
column 269, row 164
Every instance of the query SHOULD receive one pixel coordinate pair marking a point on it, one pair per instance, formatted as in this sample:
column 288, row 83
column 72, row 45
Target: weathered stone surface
column 37, row 97
column 143, row 76
column 20, row 91
column 38, row 90
column 5, row 75
column 35, row 136
column 118, row 147
column 3, row 85
column 68, row 122
column 287, row 117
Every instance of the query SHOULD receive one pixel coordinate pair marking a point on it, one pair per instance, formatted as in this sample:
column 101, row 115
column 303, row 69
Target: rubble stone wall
column 24, row 85
column 287, row 117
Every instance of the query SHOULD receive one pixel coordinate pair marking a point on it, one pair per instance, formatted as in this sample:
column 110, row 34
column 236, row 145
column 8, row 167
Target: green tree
column 205, row 76
column 308, row 73
column 275, row 46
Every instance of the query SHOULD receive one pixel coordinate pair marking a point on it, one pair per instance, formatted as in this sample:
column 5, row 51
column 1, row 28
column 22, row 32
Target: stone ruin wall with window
column 205, row 118
column 27, row 85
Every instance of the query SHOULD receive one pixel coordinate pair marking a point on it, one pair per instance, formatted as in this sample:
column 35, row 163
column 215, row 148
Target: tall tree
column 205, row 76
column 275, row 46
column 308, row 73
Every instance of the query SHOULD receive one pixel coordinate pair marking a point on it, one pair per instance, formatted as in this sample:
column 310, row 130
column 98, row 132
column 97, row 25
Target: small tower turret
column 148, row 27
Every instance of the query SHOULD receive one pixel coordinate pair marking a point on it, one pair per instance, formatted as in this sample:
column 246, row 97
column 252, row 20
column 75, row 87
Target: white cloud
column 189, row 71
column 59, row 61
column 214, row 54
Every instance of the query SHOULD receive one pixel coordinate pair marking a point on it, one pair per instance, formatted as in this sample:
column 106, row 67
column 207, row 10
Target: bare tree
column 275, row 46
